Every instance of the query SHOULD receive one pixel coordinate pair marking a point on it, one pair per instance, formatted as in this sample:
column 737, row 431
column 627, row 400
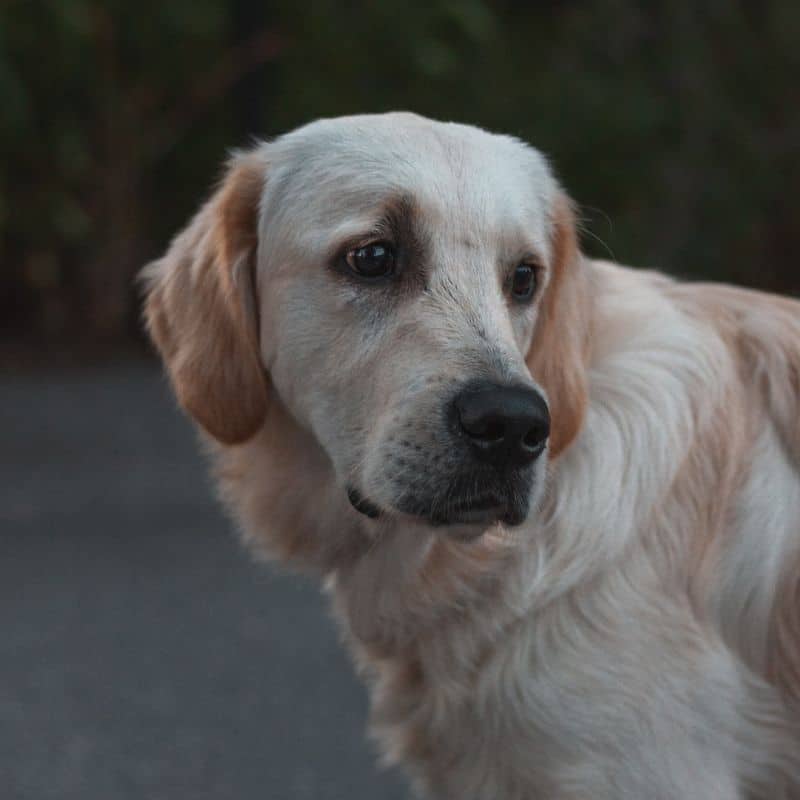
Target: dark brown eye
column 374, row 260
column 523, row 283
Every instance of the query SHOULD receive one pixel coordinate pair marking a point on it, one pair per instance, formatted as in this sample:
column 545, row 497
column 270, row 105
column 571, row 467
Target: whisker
column 583, row 228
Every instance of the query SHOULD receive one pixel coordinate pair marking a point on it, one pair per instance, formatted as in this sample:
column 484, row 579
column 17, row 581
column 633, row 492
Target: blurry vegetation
column 675, row 124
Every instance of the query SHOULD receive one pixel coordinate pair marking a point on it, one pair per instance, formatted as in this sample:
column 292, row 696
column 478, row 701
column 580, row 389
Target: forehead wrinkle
column 321, row 224
column 390, row 215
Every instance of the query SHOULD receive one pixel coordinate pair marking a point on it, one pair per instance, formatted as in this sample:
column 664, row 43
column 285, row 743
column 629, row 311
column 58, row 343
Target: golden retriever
column 556, row 501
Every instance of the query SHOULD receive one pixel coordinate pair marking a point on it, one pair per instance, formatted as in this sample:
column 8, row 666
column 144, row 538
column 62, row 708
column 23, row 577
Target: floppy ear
column 200, row 308
column 558, row 353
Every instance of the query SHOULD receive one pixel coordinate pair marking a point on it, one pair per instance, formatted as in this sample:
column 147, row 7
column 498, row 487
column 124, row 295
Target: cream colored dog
column 556, row 501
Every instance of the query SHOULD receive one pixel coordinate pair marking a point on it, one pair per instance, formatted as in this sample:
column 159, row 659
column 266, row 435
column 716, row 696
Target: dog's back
column 755, row 563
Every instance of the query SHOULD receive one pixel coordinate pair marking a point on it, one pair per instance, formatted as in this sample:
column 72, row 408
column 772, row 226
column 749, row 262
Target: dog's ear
column 558, row 353
column 201, row 311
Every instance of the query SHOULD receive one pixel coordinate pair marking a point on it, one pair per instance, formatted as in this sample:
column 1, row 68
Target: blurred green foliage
column 675, row 124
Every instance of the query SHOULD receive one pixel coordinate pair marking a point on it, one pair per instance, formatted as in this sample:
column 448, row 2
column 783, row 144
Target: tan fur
column 559, row 351
column 197, row 309
column 770, row 374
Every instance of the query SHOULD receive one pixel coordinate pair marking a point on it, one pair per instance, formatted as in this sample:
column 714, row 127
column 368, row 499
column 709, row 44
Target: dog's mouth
column 361, row 504
column 484, row 509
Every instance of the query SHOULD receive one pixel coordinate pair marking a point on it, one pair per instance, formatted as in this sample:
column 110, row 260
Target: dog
column 555, row 500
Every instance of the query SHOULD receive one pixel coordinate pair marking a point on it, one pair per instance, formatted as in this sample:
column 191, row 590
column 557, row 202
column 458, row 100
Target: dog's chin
column 465, row 531
column 463, row 521
column 469, row 523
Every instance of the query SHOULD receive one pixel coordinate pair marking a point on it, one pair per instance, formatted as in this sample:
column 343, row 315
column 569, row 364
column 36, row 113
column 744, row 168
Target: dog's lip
column 486, row 511
column 362, row 504
column 472, row 514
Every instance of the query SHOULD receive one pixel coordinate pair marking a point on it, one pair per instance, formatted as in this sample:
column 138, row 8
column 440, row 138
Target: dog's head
column 409, row 291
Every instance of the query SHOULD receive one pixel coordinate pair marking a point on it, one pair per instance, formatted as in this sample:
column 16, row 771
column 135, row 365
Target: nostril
column 488, row 431
column 535, row 437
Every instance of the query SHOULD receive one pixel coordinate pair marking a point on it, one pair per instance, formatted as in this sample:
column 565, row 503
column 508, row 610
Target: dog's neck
column 415, row 579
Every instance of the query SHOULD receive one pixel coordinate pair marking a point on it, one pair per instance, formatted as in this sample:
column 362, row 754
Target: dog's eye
column 374, row 260
column 523, row 283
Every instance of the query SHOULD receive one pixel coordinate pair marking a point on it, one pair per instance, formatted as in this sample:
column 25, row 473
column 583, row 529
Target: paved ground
column 142, row 655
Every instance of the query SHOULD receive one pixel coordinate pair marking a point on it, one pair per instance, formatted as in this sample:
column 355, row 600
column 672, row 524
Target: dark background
column 674, row 123
column 143, row 655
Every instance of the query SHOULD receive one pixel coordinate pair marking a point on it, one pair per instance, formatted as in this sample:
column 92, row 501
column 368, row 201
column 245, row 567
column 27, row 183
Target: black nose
column 506, row 425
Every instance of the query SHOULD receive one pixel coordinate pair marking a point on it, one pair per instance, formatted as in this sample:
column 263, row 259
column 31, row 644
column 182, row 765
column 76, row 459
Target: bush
column 675, row 124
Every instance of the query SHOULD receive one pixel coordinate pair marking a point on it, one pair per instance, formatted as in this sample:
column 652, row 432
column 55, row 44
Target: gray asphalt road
column 142, row 654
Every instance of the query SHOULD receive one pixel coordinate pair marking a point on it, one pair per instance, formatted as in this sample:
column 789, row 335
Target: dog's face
column 396, row 279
